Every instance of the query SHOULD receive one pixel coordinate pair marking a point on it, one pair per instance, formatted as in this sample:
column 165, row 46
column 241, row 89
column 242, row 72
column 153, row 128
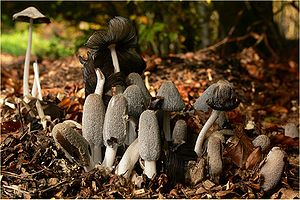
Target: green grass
column 15, row 43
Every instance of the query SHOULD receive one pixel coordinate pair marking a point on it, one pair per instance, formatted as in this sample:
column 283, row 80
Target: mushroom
column 179, row 132
column 136, row 79
column 129, row 158
column 272, row 168
column 149, row 141
column 36, row 88
column 172, row 102
column 262, row 141
column 32, row 16
column 291, row 130
column 75, row 147
column 93, row 118
column 214, row 155
column 115, row 127
column 220, row 97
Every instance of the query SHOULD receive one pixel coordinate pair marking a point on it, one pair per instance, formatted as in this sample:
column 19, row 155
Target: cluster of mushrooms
column 119, row 111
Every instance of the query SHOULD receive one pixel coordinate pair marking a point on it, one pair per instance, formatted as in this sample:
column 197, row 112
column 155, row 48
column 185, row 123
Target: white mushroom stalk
column 27, row 61
column 128, row 160
column 36, row 88
column 114, row 57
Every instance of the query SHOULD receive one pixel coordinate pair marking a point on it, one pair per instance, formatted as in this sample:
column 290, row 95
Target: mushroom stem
column 27, row 62
column 41, row 114
column 36, row 88
column 132, row 135
column 150, row 168
column 114, row 57
column 109, row 157
column 100, row 82
column 166, row 125
column 97, row 157
column 128, row 160
column 212, row 118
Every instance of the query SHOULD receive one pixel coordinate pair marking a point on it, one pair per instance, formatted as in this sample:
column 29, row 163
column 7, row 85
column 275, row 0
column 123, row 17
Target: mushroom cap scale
column 72, row 143
column 93, row 119
column 135, row 79
column 31, row 13
column 172, row 99
column 136, row 101
column 115, row 121
column 148, row 137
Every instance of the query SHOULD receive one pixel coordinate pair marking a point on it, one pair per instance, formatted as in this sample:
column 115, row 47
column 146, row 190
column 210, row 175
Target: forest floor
column 32, row 166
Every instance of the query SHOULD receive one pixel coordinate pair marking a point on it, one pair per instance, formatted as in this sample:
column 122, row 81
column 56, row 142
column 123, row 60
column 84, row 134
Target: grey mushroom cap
column 72, row 143
column 291, row 130
column 93, row 119
column 172, row 99
column 149, row 138
column 223, row 97
column 31, row 13
column 262, row 141
column 115, row 121
column 136, row 79
column 179, row 132
column 200, row 103
column 135, row 100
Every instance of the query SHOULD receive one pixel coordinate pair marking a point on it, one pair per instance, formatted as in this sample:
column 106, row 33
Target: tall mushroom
column 220, row 97
column 114, row 128
column 149, row 141
column 75, row 147
column 93, row 118
column 32, row 16
column 172, row 102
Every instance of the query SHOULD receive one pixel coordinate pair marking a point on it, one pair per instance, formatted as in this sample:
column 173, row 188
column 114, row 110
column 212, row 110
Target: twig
column 15, row 188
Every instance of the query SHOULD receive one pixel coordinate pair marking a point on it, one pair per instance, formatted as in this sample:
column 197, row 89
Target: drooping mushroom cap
column 93, row 119
column 223, row 97
column 73, row 144
column 31, row 13
column 200, row 103
column 115, row 121
column 262, row 141
column 136, row 79
column 148, row 136
column 179, row 132
column 136, row 101
column 172, row 99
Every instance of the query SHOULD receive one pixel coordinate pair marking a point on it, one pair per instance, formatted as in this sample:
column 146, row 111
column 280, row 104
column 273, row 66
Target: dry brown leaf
column 284, row 140
column 253, row 158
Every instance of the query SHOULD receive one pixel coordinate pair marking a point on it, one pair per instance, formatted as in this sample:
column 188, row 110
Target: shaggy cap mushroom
column 73, row 144
column 115, row 127
column 214, row 154
column 32, row 16
column 220, row 97
column 272, row 169
column 262, row 141
column 179, row 132
column 136, row 101
column 149, row 141
column 135, row 79
column 172, row 102
column 93, row 119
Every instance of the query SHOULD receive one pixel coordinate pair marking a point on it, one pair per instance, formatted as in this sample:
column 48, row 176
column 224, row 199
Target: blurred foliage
column 163, row 27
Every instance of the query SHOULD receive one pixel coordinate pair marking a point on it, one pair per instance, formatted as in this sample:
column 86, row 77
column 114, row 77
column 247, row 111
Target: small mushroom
column 32, row 16
column 129, row 158
column 179, row 132
column 262, row 141
column 93, row 118
column 172, row 102
column 214, row 154
column 291, row 130
column 220, row 97
column 149, row 141
column 115, row 127
column 73, row 145
column 272, row 168
column 135, row 79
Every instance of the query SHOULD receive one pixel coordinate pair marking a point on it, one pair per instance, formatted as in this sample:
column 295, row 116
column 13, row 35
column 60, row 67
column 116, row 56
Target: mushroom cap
column 115, row 121
column 31, row 13
column 135, row 100
column 73, row 144
column 291, row 130
column 200, row 103
column 93, row 119
column 223, row 97
column 172, row 99
column 148, row 136
column 179, row 132
column 135, row 79
column 273, row 168
column 263, row 141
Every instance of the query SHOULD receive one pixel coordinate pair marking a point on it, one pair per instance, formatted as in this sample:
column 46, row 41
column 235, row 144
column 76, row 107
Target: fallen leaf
column 284, row 140
column 253, row 158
